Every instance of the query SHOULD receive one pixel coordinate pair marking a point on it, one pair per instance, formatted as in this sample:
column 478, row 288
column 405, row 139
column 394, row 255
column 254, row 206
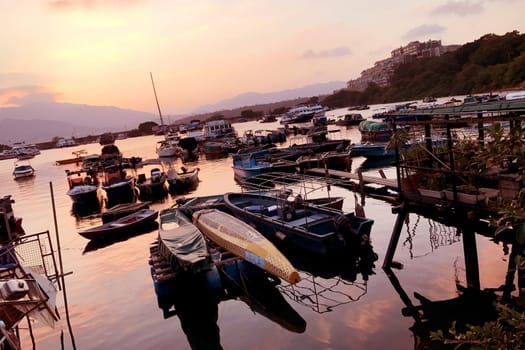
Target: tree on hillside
column 147, row 128
column 250, row 114
column 490, row 63
column 216, row 117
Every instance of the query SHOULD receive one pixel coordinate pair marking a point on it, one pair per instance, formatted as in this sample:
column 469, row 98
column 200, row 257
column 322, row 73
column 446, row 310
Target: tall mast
column 156, row 99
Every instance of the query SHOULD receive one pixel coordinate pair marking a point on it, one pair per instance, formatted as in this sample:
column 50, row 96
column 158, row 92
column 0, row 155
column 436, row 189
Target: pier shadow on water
column 437, row 323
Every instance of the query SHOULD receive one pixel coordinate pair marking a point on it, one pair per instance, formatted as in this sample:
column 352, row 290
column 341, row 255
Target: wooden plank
column 390, row 183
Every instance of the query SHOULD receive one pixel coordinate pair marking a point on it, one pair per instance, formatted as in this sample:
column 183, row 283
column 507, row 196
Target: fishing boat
column 375, row 131
column 120, row 210
column 336, row 160
column 169, row 146
column 23, row 170
column 247, row 165
column 298, row 225
column 153, row 187
column 83, row 186
column 184, row 181
column 126, row 224
column 119, row 187
column 244, row 241
column 79, row 156
column 372, row 150
column 181, row 243
column 350, row 119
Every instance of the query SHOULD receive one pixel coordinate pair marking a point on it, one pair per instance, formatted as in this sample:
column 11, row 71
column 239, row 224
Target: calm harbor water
column 112, row 303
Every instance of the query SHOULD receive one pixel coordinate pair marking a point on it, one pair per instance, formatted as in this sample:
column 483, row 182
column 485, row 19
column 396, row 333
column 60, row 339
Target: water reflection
column 439, row 234
column 194, row 298
column 96, row 244
column 472, row 305
column 83, row 210
column 329, row 283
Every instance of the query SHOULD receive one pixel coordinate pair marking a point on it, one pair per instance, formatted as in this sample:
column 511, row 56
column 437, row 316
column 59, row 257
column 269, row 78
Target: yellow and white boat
column 244, row 241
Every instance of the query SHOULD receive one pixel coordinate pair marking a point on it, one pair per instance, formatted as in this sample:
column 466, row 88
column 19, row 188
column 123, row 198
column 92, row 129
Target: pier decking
column 364, row 179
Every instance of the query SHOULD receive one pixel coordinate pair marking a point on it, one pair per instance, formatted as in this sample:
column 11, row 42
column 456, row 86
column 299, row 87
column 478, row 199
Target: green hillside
column 490, row 63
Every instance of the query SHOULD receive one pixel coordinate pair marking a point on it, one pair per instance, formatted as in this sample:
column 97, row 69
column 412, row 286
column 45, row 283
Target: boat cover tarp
column 370, row 125
column 183, row 245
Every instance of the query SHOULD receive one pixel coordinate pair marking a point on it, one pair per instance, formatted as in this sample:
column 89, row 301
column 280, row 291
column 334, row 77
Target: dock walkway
column 365, row 179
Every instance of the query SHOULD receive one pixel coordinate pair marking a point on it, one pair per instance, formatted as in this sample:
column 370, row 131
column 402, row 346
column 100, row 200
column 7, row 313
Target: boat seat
column 255, row 208
column 305, row 220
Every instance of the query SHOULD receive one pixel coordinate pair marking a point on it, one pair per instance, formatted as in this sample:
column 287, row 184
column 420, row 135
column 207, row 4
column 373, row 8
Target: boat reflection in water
column 194, row 298
column 329, row 283
column 96, row 244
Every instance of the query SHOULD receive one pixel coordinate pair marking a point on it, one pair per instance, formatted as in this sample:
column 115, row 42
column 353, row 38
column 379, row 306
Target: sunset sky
column 100, row 52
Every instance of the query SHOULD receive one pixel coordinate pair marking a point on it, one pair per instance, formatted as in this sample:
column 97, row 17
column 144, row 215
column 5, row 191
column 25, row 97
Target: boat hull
column 126, row 224
column 244, row 241
column 120, row 210
column 84, row 194
column 300, row 227
column 183, row 182
column 121, row 191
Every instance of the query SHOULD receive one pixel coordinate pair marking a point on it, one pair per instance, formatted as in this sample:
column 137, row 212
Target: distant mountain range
column 256, row 98
column 42, row 122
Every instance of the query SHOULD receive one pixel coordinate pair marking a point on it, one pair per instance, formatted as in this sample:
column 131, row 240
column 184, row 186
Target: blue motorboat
column 248, row 165
column 371, row 150
column 299, row 225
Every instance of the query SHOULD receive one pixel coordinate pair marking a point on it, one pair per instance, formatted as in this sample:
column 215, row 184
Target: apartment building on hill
column 382, row 70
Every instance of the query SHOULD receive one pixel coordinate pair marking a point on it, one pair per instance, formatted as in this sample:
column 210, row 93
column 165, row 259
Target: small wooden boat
column 126, row 224
column 244, row 241
column 182, row 182
column 350, row 119
column 120, row 210
column 79, row 156
column 181, row 243
column 299, row 226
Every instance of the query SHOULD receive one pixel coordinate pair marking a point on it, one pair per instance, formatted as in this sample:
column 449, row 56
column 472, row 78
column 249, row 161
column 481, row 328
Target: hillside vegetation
column 490, row 63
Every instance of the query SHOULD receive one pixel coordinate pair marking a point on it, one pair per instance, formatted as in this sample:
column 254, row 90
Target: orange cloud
column 24, row 95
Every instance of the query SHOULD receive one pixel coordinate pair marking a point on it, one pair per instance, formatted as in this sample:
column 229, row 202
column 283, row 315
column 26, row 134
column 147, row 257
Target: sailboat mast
column 157, row 100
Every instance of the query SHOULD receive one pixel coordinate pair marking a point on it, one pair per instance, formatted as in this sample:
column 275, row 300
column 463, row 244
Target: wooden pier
column 363, row 179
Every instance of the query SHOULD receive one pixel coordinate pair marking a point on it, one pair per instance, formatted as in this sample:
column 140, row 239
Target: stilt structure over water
column 462, row 167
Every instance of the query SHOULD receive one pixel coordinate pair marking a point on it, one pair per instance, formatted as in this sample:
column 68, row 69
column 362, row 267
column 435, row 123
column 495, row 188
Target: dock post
column 471, row 255
column 481, row 129
column 396, row 233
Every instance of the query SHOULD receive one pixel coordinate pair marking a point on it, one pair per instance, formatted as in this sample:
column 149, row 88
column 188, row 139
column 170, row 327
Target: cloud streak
column 423, row 31
column 459, row 8
column 335, row 52
column 24, row 95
